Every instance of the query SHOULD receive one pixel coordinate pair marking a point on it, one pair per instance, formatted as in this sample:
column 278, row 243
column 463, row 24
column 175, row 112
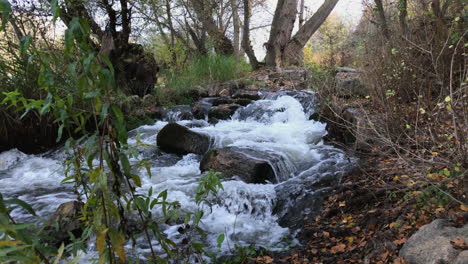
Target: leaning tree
column 284, row 48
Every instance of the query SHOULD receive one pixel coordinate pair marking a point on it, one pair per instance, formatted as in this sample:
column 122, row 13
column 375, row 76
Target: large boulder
column 432, row 244
column 174, row 138
column 64, row 221
column 250, row 166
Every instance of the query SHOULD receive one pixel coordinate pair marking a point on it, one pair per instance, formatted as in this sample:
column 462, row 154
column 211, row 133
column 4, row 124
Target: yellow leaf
column 448, row 99
column 350, row 239
column 100, row 240
column 464, row 207
column 449, row 107
column 10, row 243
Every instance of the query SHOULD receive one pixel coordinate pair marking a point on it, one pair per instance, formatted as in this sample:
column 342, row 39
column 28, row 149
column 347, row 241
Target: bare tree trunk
column 222, row 44
column 281, row 31
column 236, row 25
column 382, row 18
column 246, row 45
column 291, row 52
column 403, row 13
column 301, row 14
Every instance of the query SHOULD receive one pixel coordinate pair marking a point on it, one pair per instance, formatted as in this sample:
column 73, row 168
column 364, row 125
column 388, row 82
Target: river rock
column 180, row 112
column 65, row 220
column 432, row 244
column 174, row 138
column 247, row 94
column 223, row 112
column 246, row 164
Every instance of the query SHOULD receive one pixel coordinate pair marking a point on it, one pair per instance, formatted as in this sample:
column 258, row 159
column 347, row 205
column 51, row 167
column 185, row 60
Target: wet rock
column 180, row 112
column 245, row 164
column 431, row 244
column 223, row 112
column 348, row 84
column 174, row 138
column 223, row 100
column 243, row 101
column 156, row 112
column 65, row 220
column 201, row 108
column 247, row 94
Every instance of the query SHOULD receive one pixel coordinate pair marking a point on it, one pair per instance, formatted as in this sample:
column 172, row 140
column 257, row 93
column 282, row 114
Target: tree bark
column 382, row 18
column 246, row 45
column 403, row 13
column 281, row 31
column 301, row 13
column 236, row 26
column 284, row 50
column 222, row 44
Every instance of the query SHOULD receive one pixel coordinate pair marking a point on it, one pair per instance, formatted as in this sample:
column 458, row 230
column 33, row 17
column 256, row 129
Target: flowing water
column 246, row 213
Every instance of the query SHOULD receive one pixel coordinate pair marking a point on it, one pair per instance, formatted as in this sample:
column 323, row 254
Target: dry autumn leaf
column 459, row 243
column 338, row 248
column 464, row 207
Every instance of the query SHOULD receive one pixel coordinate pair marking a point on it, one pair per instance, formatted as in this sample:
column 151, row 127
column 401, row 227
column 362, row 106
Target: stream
column 267, row 215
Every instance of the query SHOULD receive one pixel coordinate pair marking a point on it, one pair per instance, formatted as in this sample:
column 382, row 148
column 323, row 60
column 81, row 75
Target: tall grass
column 200, row 71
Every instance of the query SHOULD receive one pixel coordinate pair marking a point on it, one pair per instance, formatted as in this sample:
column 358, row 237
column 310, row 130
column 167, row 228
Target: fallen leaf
column 399, row 241
column 459, row 243
column 464, row 207
column 338, row 248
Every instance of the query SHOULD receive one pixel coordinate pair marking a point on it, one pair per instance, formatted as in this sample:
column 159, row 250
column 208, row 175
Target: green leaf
column 55, row 10
column 5, row 9
column 22, row 204
column 24, row 44
column 220, row 240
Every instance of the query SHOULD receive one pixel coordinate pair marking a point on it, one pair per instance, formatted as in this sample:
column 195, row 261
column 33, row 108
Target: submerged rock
column 174, row 138
column 242, row 163
column 64, row 221
column 432, row 244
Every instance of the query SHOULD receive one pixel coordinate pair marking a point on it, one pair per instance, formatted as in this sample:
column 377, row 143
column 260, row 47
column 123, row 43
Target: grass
column 200, row 71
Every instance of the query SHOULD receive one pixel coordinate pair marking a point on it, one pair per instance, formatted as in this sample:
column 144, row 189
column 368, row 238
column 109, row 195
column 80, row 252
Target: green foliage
column 200, row 71
column 86, row 107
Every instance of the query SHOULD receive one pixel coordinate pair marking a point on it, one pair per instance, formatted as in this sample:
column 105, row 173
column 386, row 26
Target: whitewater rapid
column 243, row 212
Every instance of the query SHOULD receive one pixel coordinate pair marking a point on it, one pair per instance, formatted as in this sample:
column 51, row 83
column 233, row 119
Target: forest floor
column 370, row 216
column 377, row 208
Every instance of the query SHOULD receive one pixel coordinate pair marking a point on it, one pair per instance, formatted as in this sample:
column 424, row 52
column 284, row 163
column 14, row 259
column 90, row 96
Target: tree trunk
column 382, row 18
column 403, row 13
column 236, row 25
column 301, row 13
column 222, row 44
column 282, row 50
column 281, row 31
column 246, row 45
